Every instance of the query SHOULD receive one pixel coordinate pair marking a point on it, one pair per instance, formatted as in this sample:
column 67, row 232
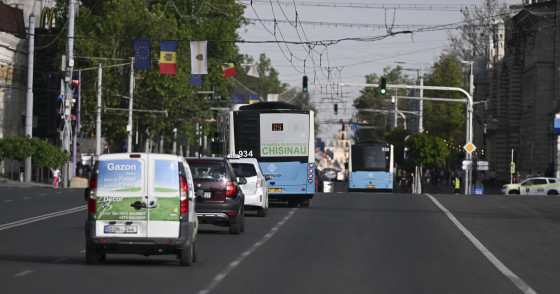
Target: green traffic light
column 383, row 91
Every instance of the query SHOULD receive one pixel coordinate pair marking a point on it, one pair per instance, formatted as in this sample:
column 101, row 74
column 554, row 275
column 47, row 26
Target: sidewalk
column 447, row 189
column 17, row 184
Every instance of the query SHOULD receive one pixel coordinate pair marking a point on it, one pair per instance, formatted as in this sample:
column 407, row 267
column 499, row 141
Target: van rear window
column 166, row 176
column 123, row 175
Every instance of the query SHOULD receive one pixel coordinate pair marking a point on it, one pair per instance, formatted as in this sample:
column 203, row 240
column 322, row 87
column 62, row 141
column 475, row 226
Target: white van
column 141, row 203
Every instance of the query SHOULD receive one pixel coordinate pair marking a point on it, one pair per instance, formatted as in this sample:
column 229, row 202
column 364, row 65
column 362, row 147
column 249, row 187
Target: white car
column 534, row 186
column 256, row 188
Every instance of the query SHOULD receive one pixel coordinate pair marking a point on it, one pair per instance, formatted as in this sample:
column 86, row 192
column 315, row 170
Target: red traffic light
column 75, row 84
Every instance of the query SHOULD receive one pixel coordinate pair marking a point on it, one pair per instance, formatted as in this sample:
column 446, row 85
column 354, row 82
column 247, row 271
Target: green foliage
column 107, row 29
column 372, row 100
column 17, row 148
column 445, row 119
column 47, row 155
column 427, row 150
column 266, row 83
column 396, row 137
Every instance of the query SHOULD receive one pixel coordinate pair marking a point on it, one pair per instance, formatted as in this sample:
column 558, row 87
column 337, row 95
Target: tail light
column 259, row 183
column 230, row 189
column 92, row 200
column 184, row 196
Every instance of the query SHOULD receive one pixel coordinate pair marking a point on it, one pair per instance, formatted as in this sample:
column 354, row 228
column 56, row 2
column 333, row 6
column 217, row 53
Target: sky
column 351, row 40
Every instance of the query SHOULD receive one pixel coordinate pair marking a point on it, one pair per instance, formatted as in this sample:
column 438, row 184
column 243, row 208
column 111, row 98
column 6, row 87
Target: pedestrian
column 56, row 173
column 456, row 185
column 21, row 171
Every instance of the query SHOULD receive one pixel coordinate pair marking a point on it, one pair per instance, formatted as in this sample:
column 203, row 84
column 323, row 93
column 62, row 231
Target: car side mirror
column 268, row 177
column 242, row 180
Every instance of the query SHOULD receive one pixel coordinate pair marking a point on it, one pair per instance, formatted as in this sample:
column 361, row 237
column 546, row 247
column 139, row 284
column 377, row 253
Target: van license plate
column 275, row 190
column 207, row 195
column 119, row 229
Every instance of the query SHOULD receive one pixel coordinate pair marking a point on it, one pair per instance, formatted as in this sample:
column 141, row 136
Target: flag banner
column 229, row 69
column 238, row 98
column 254, row 98
column 196, row 80
column 198, row 58
column 253, row 71
column 168, row 57
column 272, row 97
column 142, row 54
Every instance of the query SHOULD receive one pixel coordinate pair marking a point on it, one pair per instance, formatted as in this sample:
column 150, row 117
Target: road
column 342, row 243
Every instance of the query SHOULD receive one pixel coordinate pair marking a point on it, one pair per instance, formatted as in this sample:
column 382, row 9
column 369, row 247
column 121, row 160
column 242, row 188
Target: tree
column 477, row 27
column 427, row 150
column 445, row 119
column 372, row 99
column 107, row 29
column 396, row 137
column 267, row 81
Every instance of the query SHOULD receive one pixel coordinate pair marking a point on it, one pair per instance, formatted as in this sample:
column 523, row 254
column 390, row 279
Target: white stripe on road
column 40, row 218
column 218, row 278
column 493, row 259
column 24, row 273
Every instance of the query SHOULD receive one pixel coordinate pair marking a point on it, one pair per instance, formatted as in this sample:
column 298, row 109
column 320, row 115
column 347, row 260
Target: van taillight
column 92, row 194
column 184, row 195
column 230, row 189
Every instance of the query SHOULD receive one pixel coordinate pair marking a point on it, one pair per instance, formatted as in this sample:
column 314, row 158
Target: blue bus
column 370, row 167
column 281, row 136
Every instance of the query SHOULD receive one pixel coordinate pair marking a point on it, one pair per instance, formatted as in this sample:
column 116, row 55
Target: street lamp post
column 469, row 135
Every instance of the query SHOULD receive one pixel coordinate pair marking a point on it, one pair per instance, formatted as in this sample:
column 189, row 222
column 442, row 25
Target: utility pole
column 130, row 107
column 98, row 118
column 29, row 97
column 68, row 90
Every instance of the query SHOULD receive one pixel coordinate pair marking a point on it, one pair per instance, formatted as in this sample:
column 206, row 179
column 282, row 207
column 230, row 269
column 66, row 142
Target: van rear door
column 120, row 211
column 164, row 198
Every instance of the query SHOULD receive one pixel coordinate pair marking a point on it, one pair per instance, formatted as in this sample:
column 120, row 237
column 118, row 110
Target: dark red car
column 219, row 199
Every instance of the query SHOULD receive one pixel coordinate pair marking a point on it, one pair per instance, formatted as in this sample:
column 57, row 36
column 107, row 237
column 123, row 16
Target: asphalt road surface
column 342, row 243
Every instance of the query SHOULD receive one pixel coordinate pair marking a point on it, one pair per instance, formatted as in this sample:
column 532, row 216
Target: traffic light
column 342, row 127
column 335, row 108
column 305, row 84
column 383, row 86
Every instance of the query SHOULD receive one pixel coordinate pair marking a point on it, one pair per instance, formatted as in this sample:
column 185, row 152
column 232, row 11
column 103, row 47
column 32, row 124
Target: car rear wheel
column 552, row 192
column 94, row 255
column 186, row 256
column 262, row 212
column 513, row 192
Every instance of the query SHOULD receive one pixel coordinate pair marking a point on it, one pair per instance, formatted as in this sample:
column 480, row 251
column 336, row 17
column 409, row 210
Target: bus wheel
column 304, row 203
column 293, row 203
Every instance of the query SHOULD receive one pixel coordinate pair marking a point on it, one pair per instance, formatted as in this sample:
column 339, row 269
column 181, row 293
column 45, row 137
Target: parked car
column 140, row 203
column 219, row 198
column 256, row 188
column 534, row 186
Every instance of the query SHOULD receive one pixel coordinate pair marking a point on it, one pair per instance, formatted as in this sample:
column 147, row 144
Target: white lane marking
column 6, row 201
column 25, row 198
column 24, row 273
column 222, row 275
column 40, row 218
column 521, row 285
column 59, row 260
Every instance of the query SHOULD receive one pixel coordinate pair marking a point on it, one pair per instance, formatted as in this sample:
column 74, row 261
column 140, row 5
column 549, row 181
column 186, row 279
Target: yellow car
column 534, row 186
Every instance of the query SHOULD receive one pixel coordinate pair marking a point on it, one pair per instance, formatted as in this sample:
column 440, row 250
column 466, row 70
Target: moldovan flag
column 229, row 70
column 168, row 57
column 198, row 58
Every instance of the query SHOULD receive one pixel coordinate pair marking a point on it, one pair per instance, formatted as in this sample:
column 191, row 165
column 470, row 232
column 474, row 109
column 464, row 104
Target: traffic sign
column 482, row 165
column 470, row 147
column 467, row 164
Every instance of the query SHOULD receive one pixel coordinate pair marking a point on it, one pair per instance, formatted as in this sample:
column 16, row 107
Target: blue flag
column 142, row 54
column 238, row 98
column 196, row 80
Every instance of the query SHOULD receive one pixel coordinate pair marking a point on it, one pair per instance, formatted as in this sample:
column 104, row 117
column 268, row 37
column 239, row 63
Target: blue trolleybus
column 281, row 137
column 370, row 167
